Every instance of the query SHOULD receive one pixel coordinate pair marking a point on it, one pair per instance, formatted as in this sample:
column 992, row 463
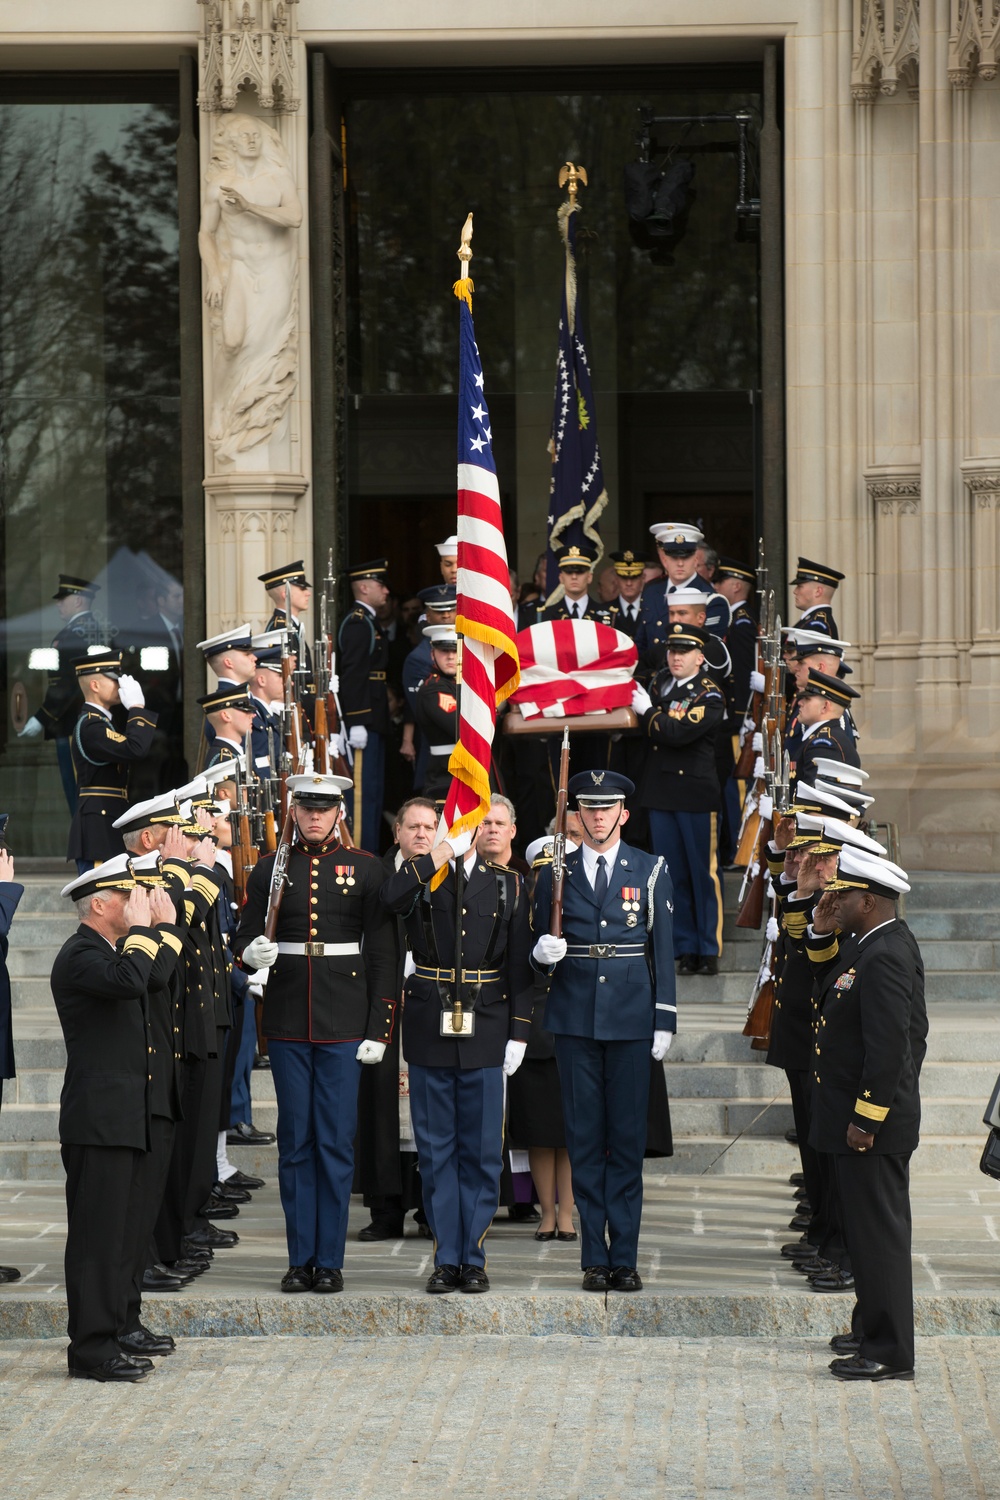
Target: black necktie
column 601, row 879
column 572, row 610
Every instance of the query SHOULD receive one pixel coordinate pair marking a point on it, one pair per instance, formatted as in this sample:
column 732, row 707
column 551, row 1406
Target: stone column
column 255, row 280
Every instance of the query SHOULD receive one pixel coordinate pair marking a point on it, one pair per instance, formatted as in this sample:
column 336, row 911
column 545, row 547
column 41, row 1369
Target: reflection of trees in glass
column 88, row 333
column 417, row 164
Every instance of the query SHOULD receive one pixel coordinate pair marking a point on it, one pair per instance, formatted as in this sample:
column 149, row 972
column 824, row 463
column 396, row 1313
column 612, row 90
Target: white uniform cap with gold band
column 267, row 639
column 447, row 548
column 162, row 809
column 320, row 791
column 237, row 639
column 839, row 771
column 677, row 532
column 825, row 798
column 444, row 636
column 803, row 637
column 859, row 870
column 542, row 848
column 113, row 875
column 857, row 800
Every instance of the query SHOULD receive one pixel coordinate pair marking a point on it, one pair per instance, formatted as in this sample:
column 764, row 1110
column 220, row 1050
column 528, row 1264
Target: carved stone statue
column 248, row 243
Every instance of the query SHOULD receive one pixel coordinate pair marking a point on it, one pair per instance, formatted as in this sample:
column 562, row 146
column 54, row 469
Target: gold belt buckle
column 314, row 950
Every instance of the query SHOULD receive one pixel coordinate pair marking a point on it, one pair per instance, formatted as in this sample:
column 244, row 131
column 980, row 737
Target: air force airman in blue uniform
column 611, row 1002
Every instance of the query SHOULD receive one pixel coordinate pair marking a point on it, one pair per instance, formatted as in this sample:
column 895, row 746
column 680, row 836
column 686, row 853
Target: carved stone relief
column 249, row 44
column 974, row 42
column 886, row 48
column 982, row 480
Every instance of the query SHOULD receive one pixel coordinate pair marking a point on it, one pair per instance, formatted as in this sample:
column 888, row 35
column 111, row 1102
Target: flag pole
column 463, row 289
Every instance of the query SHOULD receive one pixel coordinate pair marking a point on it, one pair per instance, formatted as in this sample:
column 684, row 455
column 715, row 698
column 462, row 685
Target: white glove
column 31, row 730
column 461, row 843
column 260, row 954
column 641, row 701
column 255, row 989
column 756, row 682
column 338, row 745
column 758, row 768
column 358, row 737
column 130, row 692
column 513, row 1056
column 661, row 1044
column 549, row 949
column 772, row 931
column 334, row 684
column 758, row 742
column 370, row 1052
column 766, row 807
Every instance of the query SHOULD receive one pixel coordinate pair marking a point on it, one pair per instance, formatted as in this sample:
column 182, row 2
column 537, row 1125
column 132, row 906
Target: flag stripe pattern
column 485, row 617
column 571, row 667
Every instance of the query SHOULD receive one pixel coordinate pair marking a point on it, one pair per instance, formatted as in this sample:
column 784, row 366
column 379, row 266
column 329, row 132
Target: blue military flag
column 576, row 490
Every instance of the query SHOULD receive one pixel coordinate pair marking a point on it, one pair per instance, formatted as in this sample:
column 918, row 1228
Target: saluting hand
column 161, row 908
column 137, row 908
column 6, row 866
column 175, row 844
column 825, row 913
column 205, row 852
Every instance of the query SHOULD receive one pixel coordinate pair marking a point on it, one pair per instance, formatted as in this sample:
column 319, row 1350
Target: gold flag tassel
column 463, row 287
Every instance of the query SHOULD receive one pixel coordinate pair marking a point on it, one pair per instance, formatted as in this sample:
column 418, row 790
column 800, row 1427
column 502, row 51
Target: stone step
column 40, row 1161
column 941, row 891
column 755, row 1156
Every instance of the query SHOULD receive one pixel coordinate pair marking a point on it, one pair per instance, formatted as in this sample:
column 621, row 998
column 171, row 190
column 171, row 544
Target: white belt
column 440, row 749
column 319, row 950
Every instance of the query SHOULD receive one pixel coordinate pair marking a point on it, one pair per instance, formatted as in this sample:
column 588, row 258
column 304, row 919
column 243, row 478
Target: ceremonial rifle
column 293, row 756
column 761, row 1009
column 244, row 852
column 754, row 880
column 754, row 714
column 279, row 874
column 328, row 717
column 559, row 844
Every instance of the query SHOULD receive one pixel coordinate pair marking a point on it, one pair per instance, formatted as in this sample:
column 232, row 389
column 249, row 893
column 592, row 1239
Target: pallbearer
column 611, row 1002
column 328, row 1008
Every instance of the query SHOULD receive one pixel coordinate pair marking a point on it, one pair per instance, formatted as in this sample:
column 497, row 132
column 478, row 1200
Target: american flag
column 576, row 489
column 485, row 616
column 571, row 667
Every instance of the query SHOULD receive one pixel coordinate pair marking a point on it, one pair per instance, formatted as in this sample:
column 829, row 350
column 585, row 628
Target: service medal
column 846, row 980
column 631, row 898
column 342, row 873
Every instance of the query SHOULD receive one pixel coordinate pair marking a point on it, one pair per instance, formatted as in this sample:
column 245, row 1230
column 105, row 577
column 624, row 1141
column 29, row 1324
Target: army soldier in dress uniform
column 231, row 713
column 230, row 656
column 681, row 715
column 274, row 581
column 436, row 710
column 576, row 574
column 266, row 688
column 329, row 1007
column 102, row 754
column 676, row 546
column 362, row 657
column 625, row 609
column 814, row 586
column 60, row 709
column 870, row 1045
column 456, row 1078
column 611, row 1002
column 821, row 705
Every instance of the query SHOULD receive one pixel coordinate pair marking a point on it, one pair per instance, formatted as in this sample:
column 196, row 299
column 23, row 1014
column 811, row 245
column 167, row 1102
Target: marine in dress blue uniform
column 681, row 716
column 435, row 708
column 612, row 1000
column 362, row 659
column 329, row 1008
column 456, row 1081
column 814, row 586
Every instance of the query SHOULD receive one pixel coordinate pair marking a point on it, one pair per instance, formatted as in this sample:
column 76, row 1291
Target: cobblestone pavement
column 570, row 1418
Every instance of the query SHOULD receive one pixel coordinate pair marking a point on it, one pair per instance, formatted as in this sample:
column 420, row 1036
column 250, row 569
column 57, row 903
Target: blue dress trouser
column 457, row 1117
column 605, row 1094
column 317, row 1091
column 688, row 842
column 240, row 1112
column 372, row 795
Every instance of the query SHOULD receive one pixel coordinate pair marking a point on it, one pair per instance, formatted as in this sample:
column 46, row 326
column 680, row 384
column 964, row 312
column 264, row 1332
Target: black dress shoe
column 186, row 1268
column 687, row 963
column 791, row 1137
column 796, row 1179
column 845, row 1343
column 9, row 1273
column 566, row 1234
column 155, row 1280
column 141, row 1361
column 218, row 1208
column 203, row 1253
column 231, row 1192
column 473, row 1279
column 800, row 1221
column 118, row 1367
column 832, row 1281
column 524, row 1213
column 626, row 1279
column 261, row 1064
column 856, row 1368
column 800, row 1195
column 382, row 1229
column 545, row 1234
column 815, row 1265
column 444, row 1279
column 247, row 1134
column 707, row 964
column 328, row 1279
column 797, row 1249
column 596, row 1278
column 215, row 1239
column 245, row 1181
column 142, row 1341
column 297, row 1279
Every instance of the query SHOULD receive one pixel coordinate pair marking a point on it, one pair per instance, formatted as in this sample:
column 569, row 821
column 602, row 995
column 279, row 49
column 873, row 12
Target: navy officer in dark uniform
column 362, row 659
column 611, row 1002
column 813, row 588
column 456, row 1076
column 329, row 1007
column 104, row 745
column 870, row 1044
column 821, row 707
column 60, row 709
column 681, row 715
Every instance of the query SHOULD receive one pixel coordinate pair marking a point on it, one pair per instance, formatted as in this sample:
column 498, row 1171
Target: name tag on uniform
column 846, row 980
column 468, row 1027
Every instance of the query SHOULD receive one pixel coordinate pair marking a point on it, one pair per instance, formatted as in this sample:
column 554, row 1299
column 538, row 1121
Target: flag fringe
column 463, row 289
column 487, row 636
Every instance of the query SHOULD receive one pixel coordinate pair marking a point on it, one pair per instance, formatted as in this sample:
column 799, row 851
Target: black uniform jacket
column 165, row 1010
column 830, row 741
column 302, row 650
column 195, row 890
column 362, row 659
column 496, row 936
column 103, row 749
column 870, row 1041
column 741, row 643
column 680, row 774
column 792, row 1022
column 820, row 619
column 100, row 998
column 620, row 620
column 588, row 609
column 332, row 896
column 11, row 892
column 63, row 700
column 435, row 709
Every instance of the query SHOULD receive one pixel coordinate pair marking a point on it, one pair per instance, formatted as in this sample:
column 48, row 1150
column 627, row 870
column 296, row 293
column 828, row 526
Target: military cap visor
column 627, row 565
column 230, row 698
column 99, row 881
column 240, row 639
column 575, row 560
column 311, row 789
column 687, row 638
column 291, row 573
column 377, row 569
column 821, row 685
column 814, row 572
column 438, row 596
column 100, row 662
column 728, row 567
column 600, row 788
column 70, row 585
